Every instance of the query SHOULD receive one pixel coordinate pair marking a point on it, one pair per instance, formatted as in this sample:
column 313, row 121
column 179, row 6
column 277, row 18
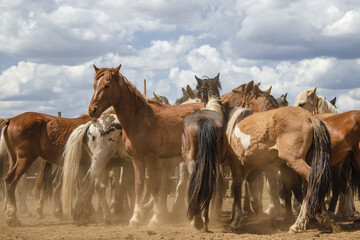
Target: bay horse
column 203, row 149
column 265, row 140
column 98, row 143
column 28, row 136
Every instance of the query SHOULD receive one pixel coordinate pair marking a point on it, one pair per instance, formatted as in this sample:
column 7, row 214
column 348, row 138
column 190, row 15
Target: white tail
column 72, row 156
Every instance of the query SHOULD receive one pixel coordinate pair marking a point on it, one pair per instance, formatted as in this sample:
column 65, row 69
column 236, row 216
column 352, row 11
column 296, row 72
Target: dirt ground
column 174, row 228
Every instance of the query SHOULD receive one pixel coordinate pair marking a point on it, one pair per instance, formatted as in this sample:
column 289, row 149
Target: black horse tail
column 203, row 180
column 44, row 180
column 320, row 173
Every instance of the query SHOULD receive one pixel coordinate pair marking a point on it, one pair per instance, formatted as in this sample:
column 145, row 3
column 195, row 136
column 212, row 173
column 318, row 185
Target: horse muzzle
column 94, row 112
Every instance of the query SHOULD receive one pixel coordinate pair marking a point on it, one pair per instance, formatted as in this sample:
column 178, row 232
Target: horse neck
column 325, row 107
column 131, row 107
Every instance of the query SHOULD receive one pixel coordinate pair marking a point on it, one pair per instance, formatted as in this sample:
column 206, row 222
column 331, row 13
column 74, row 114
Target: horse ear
column 256, row 90
column 96, row 69
column 258, row 84
column 183, row 91
column 249, row 86
column 333, row 101
column 190, row 91
column 198, row 80
column 285, row 96
column 269, row 90
column 312, row 91
column 155, row 96
column 117, row 69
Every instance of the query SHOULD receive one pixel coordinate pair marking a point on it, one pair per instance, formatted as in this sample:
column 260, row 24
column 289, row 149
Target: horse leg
column 139, row 171
column 238, row 174
column 255, row 180
column 100, row 187
column 155, row 173
column 217, row 202
column 271, row 175
column 11, row 179
column 117, row 199
column 57, row 182
column 22, row 196
column 179, row 204
column 206, row 217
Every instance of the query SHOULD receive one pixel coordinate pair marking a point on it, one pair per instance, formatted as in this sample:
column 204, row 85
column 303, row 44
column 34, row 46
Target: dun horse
column 267, row 139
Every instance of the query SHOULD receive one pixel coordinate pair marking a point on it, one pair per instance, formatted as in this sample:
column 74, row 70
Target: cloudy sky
column 47, row 48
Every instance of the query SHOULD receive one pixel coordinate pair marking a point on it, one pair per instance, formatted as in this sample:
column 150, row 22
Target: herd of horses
column 311, row 150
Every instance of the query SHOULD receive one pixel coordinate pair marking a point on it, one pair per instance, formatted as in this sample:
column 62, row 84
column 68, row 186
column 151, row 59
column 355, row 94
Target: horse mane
column 236, row 114
column 324, row 106
column 213, row 104
column 133, row 89
column 101, row 72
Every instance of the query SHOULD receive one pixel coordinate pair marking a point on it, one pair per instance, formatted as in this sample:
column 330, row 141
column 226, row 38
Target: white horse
column 92, row 146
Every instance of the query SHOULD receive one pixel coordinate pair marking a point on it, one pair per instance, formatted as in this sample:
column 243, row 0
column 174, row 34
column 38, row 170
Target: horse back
column 38, row 134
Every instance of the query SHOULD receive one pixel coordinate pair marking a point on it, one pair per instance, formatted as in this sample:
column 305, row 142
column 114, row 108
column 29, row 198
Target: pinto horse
column 29, row 136
column 98, row 143
column 267, row 139
column 203, row 146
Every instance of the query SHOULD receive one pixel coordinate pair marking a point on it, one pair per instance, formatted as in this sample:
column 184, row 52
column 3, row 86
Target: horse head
column 308, row 100
column 106, row 88
column 161, row 99
column 208, row 88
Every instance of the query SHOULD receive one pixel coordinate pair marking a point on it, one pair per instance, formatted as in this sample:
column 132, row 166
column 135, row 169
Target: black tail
column 203, row 180
column 320, row 173
column 44, row 180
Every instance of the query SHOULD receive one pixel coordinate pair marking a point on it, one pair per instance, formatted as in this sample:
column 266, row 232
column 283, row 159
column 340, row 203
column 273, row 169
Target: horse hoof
column 199, row 223
column 335, row 228
column 13, row 222
column 134, row 224
column 294, row 229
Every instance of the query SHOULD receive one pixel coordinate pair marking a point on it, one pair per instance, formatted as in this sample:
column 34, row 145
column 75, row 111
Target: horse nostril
column 95, row 109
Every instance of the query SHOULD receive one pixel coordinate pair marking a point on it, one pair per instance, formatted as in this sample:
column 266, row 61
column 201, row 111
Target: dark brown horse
column 29, row 136
column 203, row 145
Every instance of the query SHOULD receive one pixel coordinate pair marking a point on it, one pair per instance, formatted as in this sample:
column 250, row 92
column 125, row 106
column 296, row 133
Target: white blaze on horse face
column 97, row 86
column 244, row 138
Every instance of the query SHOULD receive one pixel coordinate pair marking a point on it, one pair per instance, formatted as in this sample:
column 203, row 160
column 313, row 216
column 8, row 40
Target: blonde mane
column 239, row 114
column 214, row 105
column 310, row 97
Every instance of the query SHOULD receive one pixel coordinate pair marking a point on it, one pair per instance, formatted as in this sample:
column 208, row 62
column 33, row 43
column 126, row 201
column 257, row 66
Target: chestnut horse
column 152, row 132
column 203, row 146
column 29, row 136
column 267, row 139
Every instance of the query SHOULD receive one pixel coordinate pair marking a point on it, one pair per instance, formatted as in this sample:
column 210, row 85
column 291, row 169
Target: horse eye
column 107, row 85
column 301, row 104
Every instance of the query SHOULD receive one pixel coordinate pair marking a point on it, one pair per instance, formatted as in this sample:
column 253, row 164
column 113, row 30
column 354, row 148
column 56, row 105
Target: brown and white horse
column 267, row 139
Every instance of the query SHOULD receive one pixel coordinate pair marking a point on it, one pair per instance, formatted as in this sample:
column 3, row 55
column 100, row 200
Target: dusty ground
column 254, row 228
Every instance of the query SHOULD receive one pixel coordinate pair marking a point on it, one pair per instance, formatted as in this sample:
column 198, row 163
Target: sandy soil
column 175, row 228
